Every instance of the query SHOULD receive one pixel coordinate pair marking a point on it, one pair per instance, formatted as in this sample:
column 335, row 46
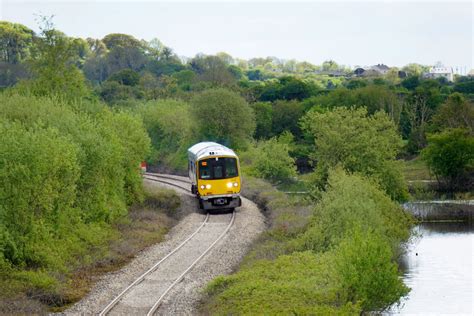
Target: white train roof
column 207, row 149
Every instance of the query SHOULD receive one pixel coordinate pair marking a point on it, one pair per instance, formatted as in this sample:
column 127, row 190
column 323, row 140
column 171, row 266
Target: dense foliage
column 223, row 116
column 271, row 160
column 450, row 156
column 67, row 171
column 172, row 131
column 342, row 262
column 359, row 143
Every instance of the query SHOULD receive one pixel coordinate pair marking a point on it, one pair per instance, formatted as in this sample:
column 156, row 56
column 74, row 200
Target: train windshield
column 218, row 168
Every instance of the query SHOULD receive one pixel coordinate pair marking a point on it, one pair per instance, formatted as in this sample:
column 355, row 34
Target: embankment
column 445, row 210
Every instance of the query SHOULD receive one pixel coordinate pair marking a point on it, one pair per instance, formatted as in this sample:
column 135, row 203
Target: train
column 214, row 172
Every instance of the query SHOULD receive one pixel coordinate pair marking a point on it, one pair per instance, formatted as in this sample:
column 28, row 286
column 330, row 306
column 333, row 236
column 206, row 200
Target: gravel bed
column 184, row 298
column 223, row 259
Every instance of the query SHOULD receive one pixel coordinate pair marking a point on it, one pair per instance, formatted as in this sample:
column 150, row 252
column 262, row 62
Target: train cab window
column 218, row 168
column 204, row 171
column 231, row 168
column 218, row 171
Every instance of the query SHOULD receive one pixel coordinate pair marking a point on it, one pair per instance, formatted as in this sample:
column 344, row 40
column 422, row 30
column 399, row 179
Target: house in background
column 380, row 68
column 440, row 71
column 372, row 71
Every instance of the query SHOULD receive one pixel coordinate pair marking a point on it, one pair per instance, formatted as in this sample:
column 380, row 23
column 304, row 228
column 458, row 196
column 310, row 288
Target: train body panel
column 214, row 172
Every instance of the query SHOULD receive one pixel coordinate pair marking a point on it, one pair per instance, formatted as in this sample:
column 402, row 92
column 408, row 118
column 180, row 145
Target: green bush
column 359, row 143
column 450, row 156
column 169, row 140
column 270, row 159
column 318, row 268
column 365, row 271
column 67, row 172
column 352, row 202
column 290, row 285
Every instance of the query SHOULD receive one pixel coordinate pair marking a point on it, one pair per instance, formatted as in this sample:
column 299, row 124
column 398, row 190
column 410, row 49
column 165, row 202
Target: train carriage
column 214, row 172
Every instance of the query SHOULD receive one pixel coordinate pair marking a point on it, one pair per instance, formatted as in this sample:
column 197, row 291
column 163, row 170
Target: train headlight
column 229, row 185
column 236, row 184
column 203, row 187
column 208, row 186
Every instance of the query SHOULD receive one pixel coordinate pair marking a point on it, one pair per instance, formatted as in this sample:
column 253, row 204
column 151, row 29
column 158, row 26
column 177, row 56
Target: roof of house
column 380, row 67
column 441, row 70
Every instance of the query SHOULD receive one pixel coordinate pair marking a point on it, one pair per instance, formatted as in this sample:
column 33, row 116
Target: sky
column 351, row 33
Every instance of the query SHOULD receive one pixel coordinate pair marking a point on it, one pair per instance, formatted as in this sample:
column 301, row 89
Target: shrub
column 365, row 271
column 359, row 143
column 169, row 140
column 352, row 202
column 342, row 263
column 292, row 284
column 270, row 159
column 450, row 156
column 66, row 172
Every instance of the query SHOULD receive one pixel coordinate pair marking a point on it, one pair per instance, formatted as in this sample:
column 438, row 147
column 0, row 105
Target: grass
column 39, row 292
column 416, row 170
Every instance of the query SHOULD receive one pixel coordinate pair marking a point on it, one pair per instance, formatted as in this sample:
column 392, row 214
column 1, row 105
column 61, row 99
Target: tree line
column 125, row 72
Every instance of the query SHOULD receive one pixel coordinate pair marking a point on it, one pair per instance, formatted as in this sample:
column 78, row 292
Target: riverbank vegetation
column 77, row 116
column 335, row 257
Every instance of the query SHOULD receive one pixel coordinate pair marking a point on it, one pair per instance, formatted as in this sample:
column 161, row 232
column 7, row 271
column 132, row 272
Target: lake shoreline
column 441, row 211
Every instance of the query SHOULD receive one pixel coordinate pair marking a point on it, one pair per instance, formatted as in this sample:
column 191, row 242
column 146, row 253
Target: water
column 438, row 267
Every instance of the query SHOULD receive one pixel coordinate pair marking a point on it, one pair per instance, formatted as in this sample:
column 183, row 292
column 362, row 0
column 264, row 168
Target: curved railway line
column 147, row 292
column 170, row 180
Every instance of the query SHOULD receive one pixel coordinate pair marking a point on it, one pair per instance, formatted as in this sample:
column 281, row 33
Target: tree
column 415, row 69
column 271, row 159
column 465, row 86
column 169, row 140
column 122, row 57
column 15, row 42
column 450, row 156
column 121, row 40
column 226, row 58
column 286, row 116
column 418, row 110
column 212, row 69
column 330, row 65
column 263, row 117
column 358, row 142
column 255, row 74
column 223, row 116
column 112, row 92
column 379, row 98
column 411, row 82
column 126, row 77
column 286, row 88
column 53, row 65
column 456, row 112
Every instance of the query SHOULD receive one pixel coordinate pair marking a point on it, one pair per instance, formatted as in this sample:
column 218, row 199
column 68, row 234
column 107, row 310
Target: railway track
column 148, row 291
column 170, row 180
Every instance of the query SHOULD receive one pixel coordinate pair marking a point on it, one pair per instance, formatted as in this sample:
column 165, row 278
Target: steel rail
column 142, row 277
column 169, row 183
column 158, row 302
column 165, row 176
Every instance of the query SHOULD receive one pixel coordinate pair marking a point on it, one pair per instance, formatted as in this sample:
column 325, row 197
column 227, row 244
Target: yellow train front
column 214, row 172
